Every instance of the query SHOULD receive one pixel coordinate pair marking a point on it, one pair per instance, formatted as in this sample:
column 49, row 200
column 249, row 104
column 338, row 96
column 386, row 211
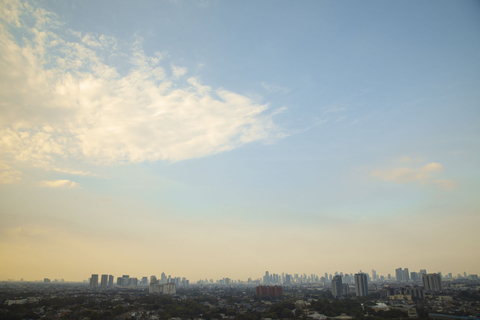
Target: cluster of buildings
column 165, row 284
column 269, row 291
column 431, row 283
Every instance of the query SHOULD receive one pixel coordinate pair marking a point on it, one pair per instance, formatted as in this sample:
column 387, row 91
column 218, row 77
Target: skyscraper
column 361, row 284
column 399, row 274
column 94, row 281
column 432, row 282
column 337, row 286
column 406, row 275
column 374, row 275
column 126, row 280
column 110, row 281
column 104, row 282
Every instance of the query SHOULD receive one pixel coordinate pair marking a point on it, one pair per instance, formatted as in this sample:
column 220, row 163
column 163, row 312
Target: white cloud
column 423, row 175
column 8, row 175
column 58, row 184
column 178, row 71
column 60, row 100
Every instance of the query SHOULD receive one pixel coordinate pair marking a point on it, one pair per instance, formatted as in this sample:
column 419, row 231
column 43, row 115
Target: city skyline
column 269, row 278
column 215, row 139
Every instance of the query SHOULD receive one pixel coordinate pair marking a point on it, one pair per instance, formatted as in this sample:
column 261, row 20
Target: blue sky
column 238, row 137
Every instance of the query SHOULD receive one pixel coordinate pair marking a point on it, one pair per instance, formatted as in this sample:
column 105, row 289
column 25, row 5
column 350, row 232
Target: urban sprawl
column 338, row 296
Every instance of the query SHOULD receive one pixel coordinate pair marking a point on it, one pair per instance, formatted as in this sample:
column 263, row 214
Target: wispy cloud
column 178, row 71
column 58, row 184
column 61, row 100
column 8, row 174
column 423, row 175
column 274, row 88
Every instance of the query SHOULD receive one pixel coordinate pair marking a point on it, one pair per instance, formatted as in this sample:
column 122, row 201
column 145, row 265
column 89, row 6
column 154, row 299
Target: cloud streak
column 59, row 184
column 60, row 99
column 422, row 175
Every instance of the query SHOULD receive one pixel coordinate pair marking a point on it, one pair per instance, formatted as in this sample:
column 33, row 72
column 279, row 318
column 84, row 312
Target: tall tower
column 406, row 275
column 104, row 282
column 337, row 286
column 399, row 274
column 432, row 282
column 126, row 280
column 94, row 281
column 361, row 284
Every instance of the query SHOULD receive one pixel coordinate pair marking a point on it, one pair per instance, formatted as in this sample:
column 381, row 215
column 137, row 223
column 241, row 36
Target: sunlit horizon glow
column 210, row 139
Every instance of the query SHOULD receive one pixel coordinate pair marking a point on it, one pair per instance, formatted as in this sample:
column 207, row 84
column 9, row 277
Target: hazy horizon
column 211, row 139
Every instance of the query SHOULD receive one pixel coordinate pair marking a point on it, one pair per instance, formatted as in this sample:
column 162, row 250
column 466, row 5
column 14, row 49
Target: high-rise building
column 432, row 282
column 337, row 288
column 361, row 284
column 104, row 281
column 126, row 280
column 399, row 274
column 415, row 276
column 406, row 275
column 266, row 277
column 374, row 275
column 110, row 281
column 94, row 281
column 288, row 279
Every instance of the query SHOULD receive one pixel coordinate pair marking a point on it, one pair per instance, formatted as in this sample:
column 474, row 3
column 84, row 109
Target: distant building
column 270, row 291
column 110, row 281
column 406, row 275
column 415, row 276
column 166, row 288
column 415, row 292
column 345, row 289
column 337, row 289
column 432, row 282
column 288, row 279
column 94, row 281
column 126, row 280
column 399, row 274
column 361, row 284
column 46, row 280
column 104, row 281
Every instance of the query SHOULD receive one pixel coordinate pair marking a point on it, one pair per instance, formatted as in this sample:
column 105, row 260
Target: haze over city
column 220, row 139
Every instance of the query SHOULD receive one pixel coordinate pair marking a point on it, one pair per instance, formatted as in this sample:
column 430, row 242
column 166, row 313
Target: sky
column 212, row 139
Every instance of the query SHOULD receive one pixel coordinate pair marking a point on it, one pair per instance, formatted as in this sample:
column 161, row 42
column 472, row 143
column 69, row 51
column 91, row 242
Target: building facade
column 432, row 282
column 337, row 289
column 361, row 285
